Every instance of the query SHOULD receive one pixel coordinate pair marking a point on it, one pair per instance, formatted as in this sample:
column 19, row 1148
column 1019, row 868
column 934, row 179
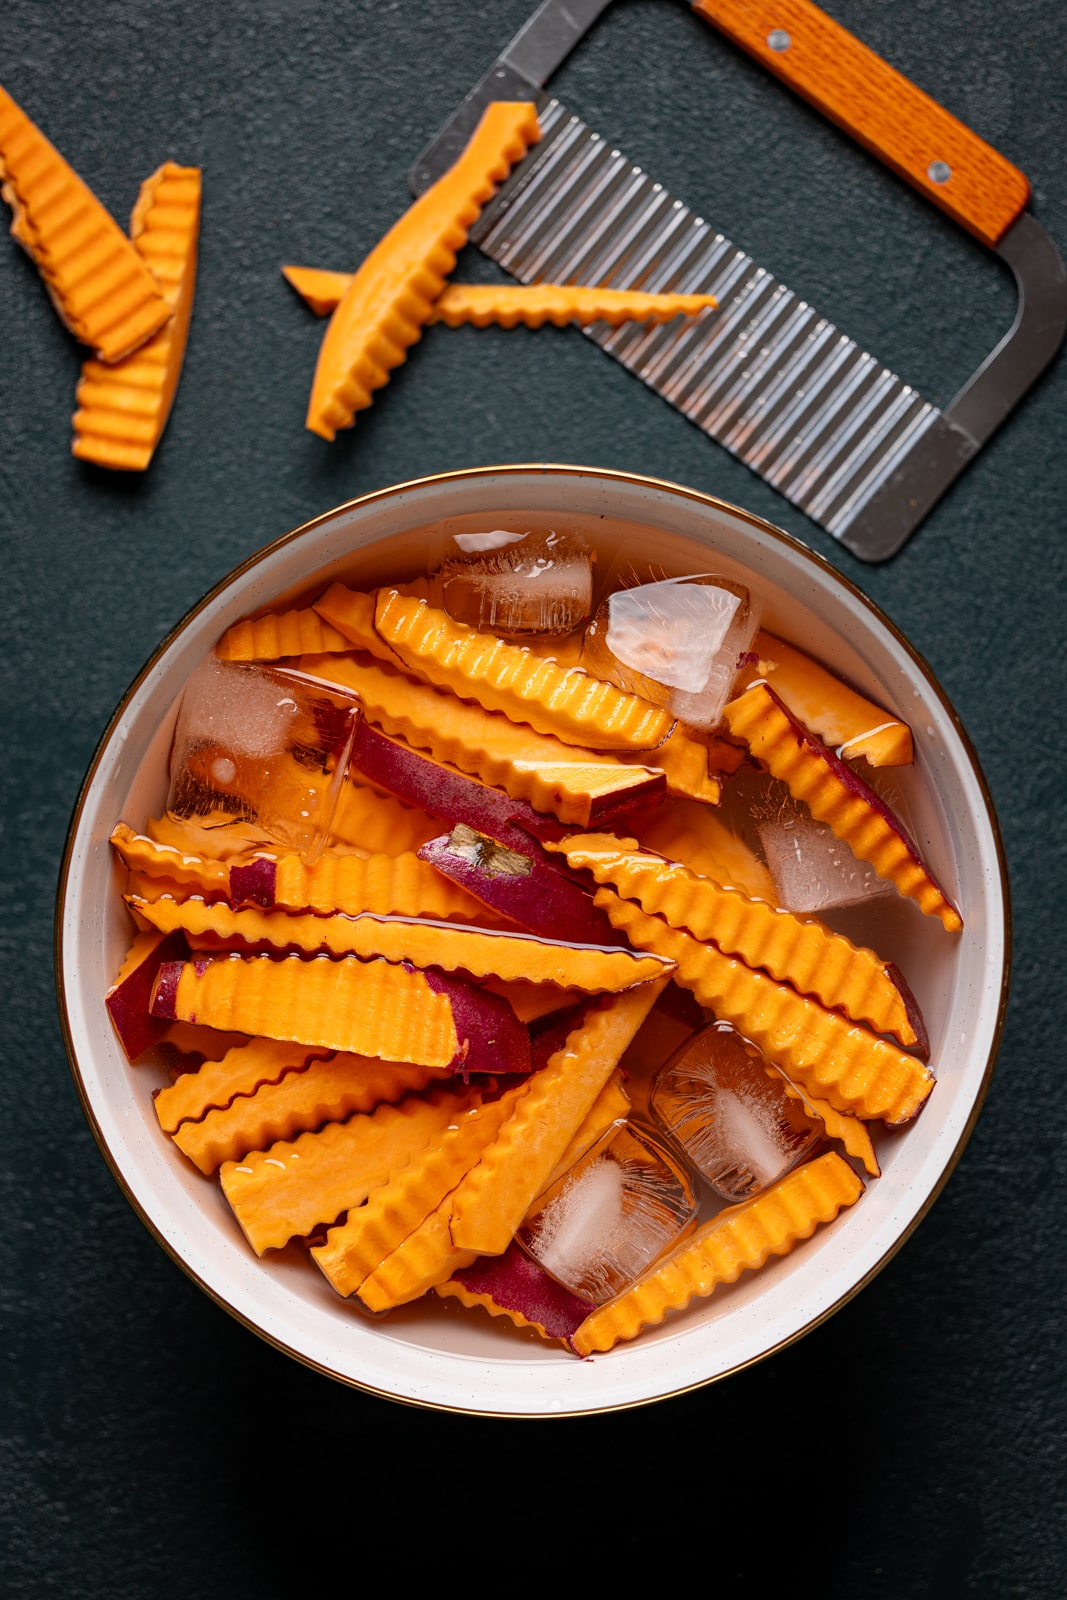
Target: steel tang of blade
column 843, row 438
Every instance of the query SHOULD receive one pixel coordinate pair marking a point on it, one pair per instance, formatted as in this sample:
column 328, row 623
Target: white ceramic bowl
column 440, row 1355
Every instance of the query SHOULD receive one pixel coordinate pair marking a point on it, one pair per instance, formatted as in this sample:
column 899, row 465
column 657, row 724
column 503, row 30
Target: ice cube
column 610, row 1216
column 263, row 749
column 734, row 1121
column 813, row 870
column 678, row 643
column 517, row 584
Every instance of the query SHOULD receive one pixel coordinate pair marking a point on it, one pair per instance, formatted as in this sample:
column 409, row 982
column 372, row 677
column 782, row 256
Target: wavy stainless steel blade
column 842, row 437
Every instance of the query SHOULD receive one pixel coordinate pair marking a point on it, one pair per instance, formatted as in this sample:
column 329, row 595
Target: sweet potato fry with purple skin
column 433, row 787
column 796, row 950
column 371, row 1008
column 387, row 885
column 581, row 787
column 837, row 796
column 128, row 1001
column 513, row 1286
column 520, row 886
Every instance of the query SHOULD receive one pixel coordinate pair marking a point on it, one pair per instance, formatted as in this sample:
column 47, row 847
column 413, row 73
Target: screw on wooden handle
column 879, row 107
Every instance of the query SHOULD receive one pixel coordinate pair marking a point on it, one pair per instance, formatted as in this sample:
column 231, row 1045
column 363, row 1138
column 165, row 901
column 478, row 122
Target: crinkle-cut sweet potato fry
column 848, row 1131
column 128, row 1001
column 737, row 1240
column 426, row 1258
column 378, row 823
column 573, row 784
column 277, row 634
column 840, row 715
column 515, row 1287
column 241, row 1071
column 357, row 1245
column 695, row 836
column 122, row 408
column 351, row 612
column 98, row 282
column 837, row 1060
column 835, row 795
column 147, row 856
column 369, row 1007
column 149, row 887
column 399, row 886
column 511, row 305
column 391, row 296
column 215, row 841
column 480, row 953
column 611, row 1106
column 803, row 952
column 326, row 1090
column 686, row 761
column 564, row 702
column 298, row 1185
column 492, row 1200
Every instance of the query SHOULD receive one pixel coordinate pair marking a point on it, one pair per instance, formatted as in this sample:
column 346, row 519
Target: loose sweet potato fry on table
column 384, row 309
column 513, row 305
column 123, row 408
column 99, row 284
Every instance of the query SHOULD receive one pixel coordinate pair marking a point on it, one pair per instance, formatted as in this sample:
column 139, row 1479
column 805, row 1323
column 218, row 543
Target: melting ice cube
column 262, row 748
column 678, row 643
column 517, row 583
column 813, row 870
column 735, row 1121
column 610, row 1216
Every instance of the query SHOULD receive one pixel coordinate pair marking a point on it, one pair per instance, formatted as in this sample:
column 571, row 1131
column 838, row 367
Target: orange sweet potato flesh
column 795, row 950
column 388, row 885
column 123, row 408
column 492, row 1200
column 822, row 1051
column 701, row 841
column 371, row 1232
column 216, row 1084
column 850, row 1132
column 378, row 823
column 512, row 305
column 426, row 1258
column 146, row 856
column 327, row 1090
column 298, row 1185
column 564, row 780
column 481, row 954
column 567, row 703
column 813, row 774
column 369, row 1007
column 391, row 296
column 738, row 1239
column 99, row 284
column 277, row 634
column 839, row 714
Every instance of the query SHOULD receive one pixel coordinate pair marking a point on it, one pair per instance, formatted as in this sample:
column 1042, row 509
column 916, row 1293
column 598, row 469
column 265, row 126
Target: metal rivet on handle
column 778, row 39
column 939, row 172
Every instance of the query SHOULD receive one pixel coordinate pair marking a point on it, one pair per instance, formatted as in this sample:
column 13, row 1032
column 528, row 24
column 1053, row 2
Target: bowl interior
column 435, row 1353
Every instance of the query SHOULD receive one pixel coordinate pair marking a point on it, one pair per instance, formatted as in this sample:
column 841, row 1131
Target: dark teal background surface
column 911, row 1447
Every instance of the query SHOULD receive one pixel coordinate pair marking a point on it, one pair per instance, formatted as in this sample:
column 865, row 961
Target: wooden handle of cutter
column 879, row 107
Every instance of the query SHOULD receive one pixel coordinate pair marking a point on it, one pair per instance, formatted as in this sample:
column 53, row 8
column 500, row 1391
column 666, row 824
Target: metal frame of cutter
column 838, row 434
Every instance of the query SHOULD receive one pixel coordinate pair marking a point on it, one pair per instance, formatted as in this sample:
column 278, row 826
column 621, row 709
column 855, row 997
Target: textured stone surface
column 151, row 1446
